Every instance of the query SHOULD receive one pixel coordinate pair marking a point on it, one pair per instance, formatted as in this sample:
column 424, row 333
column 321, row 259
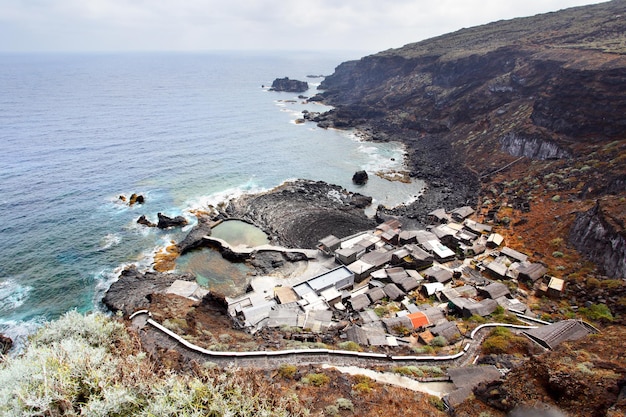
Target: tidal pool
column 237, row 232
column 212, row 270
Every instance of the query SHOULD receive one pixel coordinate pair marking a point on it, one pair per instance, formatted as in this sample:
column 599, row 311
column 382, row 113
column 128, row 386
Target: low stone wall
column 273, row 359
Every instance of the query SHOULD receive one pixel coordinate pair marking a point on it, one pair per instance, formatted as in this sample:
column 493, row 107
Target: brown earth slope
column 525, row 119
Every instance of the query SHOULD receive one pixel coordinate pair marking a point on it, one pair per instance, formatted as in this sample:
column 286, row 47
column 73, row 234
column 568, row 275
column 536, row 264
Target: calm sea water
column 184, row 130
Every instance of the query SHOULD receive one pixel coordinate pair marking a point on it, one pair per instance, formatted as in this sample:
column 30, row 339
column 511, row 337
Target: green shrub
column 331, row 410
column 439, row 341
column 363, row 385
column 317, row 380
column 350, row 345
column 408, row 371
column 557, row 254
column 431, row 370
column 344, row 404
column 437, row 403
column 423, row 349
column 597, row 312
column 287, row 371
column 556, row 198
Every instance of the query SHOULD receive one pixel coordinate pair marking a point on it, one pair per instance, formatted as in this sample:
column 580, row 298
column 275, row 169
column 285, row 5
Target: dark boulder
column 195, row 238
column 143, row 220
column 135, row 199
column 166, row 222
column 360, row 177
column 290, row 86
column 6, row 343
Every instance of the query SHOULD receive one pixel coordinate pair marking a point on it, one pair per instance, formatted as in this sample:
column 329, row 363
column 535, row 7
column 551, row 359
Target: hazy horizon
column 367, row 26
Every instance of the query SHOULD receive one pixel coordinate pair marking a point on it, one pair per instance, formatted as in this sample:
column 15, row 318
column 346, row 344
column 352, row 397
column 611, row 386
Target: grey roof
column 419, row 254
column 511, row 304
column 359, row 302
column 447, row 330
column 482, row 308
column 497, row 268
column 357, row 335
column 376, row 294
column 423, row 236
column 376, row 337
column 495, row 290
column 449, row 293
column 395, row 273
column 438, row 274
column 461, row 302
column 512, row 253
column 531, row 271
column 434, row 314
column 394, row 322
column 477, row 227
column 407, row 283
column 466, row 291
column 377, row 257
column 330, row 241
column 282, row 317
column 552, row 335
column 369, row 316
column 331, row 278
column 439, row 214
column 407, row 236
column 462, row 212
column 393, row 292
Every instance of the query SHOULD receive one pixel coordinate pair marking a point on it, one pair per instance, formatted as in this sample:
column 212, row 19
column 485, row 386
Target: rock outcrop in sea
column 290, row 86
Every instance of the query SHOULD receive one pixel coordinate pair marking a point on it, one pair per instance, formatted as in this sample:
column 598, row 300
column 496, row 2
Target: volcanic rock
column 195, row 237
column 143, row 220
column 131, row 292
column 360, row 177
column 300, row 213
column 290, row 86
column 166, row 222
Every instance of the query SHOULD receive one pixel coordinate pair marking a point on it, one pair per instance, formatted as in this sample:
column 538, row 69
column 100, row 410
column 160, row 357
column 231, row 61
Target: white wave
column 20, row 330
column 222, row 197
column 109, row 241
column 12, row 295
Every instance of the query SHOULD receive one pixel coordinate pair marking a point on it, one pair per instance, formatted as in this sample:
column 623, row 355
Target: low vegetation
column 502, row 340
column 90, row 365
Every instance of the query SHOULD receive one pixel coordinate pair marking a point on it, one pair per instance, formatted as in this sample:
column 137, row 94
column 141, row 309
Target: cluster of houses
column 456, row 266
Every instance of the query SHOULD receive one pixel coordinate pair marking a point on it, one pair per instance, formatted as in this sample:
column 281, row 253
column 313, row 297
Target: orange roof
column 418, row 319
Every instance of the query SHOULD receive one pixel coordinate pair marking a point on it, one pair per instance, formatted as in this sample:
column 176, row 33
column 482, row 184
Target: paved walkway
column 273, row 359
column 247, row 250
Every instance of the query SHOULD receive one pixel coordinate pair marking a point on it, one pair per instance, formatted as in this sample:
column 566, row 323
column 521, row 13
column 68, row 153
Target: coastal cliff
column 524, row 117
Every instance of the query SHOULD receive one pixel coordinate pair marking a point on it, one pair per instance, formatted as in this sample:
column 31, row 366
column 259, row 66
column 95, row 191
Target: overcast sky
column 199, row 25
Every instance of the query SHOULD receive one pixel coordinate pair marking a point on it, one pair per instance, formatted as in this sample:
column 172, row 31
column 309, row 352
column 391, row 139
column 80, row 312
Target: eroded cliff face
column 601, row 237
column 549, row 89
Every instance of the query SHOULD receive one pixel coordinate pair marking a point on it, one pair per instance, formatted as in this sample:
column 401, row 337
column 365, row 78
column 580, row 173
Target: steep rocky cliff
column 543, row 97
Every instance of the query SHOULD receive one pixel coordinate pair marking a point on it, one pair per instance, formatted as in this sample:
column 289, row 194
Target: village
column 391, row 287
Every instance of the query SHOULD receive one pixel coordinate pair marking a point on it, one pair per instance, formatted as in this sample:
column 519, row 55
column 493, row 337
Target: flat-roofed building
column 340, row 278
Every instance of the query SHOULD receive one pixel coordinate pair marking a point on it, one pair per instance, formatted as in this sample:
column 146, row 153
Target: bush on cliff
column 89, row 365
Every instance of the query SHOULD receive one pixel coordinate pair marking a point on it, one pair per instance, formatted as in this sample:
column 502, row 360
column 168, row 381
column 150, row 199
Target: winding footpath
column 267, row 359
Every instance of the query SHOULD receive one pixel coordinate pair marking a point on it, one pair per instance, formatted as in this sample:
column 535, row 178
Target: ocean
column 183, row 130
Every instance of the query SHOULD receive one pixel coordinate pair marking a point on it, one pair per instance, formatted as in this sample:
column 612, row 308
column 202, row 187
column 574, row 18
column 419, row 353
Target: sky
column 207, row 25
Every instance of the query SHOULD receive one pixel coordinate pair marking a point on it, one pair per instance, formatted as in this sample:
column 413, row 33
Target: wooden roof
column 551, row 335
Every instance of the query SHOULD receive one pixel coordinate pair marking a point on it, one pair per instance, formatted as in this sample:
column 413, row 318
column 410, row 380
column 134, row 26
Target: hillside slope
column 526, row 119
